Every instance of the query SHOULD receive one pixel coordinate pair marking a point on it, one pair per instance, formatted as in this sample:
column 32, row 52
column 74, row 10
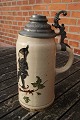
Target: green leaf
column 26, row 99
column 34, row 84
column 38, row 83
column 38, row 80
column 38, row 93
column 41, row 86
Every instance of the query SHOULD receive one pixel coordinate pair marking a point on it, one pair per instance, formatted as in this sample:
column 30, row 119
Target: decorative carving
column 61, row 27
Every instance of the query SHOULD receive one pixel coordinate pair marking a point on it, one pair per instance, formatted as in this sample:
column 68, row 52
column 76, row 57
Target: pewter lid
column 38, row 28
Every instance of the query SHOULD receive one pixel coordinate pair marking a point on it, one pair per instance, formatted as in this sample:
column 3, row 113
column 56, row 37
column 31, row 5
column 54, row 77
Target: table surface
column 67, row 91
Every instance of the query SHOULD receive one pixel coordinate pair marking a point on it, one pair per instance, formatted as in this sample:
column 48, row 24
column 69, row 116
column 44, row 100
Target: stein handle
column 60, row 47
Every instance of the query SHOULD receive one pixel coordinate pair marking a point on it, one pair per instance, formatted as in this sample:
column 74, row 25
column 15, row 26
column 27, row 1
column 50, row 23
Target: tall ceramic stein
column 36, row 61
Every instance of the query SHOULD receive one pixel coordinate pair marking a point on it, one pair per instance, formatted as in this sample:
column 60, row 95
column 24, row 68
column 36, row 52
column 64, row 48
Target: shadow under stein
column 36, row 61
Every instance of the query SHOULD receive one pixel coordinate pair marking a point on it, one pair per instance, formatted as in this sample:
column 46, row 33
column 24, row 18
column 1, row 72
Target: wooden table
column 67, row 90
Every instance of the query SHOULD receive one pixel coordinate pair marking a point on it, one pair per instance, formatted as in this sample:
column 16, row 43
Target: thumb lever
column 61, row 27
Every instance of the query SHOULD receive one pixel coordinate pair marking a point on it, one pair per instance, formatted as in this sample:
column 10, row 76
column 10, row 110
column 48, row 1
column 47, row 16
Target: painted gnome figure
column 23, row 65
column 36, row 61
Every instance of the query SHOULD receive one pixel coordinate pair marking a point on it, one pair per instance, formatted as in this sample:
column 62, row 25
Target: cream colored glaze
column 41, row 62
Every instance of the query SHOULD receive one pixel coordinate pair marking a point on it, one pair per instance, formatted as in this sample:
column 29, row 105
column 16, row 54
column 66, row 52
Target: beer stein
column 36, row 60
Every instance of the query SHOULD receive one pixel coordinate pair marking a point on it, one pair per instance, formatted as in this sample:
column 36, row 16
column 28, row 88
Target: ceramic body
column 36, row 61
column 36, row 85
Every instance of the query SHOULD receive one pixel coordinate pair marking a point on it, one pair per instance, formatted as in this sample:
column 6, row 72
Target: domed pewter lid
column 38, row 28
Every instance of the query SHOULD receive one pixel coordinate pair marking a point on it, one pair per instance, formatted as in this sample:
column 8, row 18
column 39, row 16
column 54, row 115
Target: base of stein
column 34, row 108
